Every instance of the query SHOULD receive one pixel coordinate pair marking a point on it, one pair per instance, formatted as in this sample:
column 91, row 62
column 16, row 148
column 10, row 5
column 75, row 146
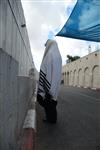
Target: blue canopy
column 84, row 21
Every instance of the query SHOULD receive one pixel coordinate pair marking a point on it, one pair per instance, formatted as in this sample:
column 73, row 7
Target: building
column 84, row 72
column 16, row 85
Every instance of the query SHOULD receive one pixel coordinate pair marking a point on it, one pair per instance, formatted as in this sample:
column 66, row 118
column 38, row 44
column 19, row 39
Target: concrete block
column 8, row 100
column 8, row 29
column 3, row 12
column 26, row 88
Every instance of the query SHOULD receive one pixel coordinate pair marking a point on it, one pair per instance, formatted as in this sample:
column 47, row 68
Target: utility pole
column 89, row 49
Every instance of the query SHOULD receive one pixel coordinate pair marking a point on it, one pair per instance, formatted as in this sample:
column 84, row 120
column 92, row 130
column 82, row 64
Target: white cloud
column 71, row 47
column 43, row 16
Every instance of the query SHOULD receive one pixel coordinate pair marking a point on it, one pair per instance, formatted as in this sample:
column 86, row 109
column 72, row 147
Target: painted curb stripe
column 30, row 120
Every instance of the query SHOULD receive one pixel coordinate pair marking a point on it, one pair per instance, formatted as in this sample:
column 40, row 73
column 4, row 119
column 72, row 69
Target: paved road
column 78, row 126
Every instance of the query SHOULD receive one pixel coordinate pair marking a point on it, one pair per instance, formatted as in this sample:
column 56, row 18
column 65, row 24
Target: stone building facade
column 84, row 72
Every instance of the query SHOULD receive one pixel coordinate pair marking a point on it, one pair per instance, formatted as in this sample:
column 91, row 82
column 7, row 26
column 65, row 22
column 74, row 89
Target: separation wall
column 16, row 87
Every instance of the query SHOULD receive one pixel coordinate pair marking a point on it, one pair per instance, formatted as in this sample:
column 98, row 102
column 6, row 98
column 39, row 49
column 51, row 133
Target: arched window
column 86, row 77
column 80, row 79
column 75, row 78
column 95, row 77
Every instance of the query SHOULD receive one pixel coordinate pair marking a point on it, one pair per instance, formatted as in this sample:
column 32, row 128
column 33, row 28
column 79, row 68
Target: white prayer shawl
column 50, row 71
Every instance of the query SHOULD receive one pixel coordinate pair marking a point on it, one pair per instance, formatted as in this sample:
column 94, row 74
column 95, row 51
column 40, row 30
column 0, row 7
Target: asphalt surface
column 78, row 125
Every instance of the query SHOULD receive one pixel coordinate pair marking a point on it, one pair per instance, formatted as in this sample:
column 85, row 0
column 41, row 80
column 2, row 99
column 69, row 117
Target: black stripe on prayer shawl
column 47, row 82
column 44, row 85
column 43, row 80
column 42, row 74
column 40, row 90
column 41, row 84
column 47, row 85
column 46, row 89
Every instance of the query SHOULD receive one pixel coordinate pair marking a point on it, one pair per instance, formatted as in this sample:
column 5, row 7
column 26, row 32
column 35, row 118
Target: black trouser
column 50, row 108
column 40, row 100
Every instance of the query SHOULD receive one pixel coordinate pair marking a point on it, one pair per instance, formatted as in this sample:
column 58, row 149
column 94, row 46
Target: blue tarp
column 84, row 21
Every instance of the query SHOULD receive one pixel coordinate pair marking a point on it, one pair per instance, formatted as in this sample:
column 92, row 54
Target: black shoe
column 45, row 120
column 48, row 121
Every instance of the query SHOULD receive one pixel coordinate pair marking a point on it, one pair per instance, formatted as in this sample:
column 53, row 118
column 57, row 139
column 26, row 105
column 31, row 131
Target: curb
column 29, row 129
column 96, row 89
column 29, row 139
column 92, row 88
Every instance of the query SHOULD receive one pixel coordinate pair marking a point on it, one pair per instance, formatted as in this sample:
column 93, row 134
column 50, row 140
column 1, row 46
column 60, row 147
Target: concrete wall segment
column 12, row 18
column 16, row 87
column 8, row 100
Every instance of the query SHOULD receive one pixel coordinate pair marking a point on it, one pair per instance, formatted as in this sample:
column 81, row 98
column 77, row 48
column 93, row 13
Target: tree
column 71, row 58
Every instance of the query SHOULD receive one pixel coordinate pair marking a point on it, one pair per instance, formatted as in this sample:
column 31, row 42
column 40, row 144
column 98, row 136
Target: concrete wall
column 84, row 72
column 16, row 87
column 8, row 100
column 13, row 37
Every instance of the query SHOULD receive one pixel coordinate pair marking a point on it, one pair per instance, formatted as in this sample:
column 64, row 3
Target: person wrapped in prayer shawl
column 49, row 80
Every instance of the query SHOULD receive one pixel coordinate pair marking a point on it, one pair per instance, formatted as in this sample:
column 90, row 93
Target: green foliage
column 71, row 58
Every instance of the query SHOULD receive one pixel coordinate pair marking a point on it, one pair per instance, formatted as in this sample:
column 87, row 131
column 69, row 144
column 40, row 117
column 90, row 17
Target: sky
column 44, row 19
